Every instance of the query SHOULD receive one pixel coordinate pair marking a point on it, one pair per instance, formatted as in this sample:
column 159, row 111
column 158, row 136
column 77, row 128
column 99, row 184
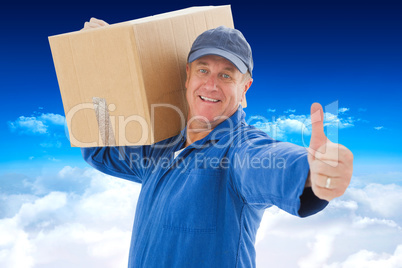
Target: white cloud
column 86, row 224
column 320, row 251
column 31, row 213
column 361, row 229
column 379, row 128
column 383, row 178
column 337, row 121
column 83, row 218
column 343, row 110
column 36, row 124
column 28, row 125
column 363, row 222
column 55, row 119
column 297, row 128
column 282, row 127
column 369, row 259
column 383, row 200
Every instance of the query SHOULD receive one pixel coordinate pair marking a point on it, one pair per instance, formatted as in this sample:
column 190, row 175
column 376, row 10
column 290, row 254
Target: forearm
column 113, row 161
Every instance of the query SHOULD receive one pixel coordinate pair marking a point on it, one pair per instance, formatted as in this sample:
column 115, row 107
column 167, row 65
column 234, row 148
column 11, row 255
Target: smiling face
column 215, row 88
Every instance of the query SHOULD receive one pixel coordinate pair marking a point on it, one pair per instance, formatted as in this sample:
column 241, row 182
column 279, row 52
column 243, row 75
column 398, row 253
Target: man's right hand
column 94, row 23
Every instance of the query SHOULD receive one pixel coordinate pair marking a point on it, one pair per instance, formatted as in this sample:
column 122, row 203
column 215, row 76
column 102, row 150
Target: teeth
column 208, row 99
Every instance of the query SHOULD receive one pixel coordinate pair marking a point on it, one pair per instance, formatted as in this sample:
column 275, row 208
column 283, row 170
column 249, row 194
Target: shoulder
column 162, row 147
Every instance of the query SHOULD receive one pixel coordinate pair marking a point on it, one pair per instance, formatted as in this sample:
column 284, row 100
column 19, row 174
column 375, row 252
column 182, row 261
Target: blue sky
column 344, row 54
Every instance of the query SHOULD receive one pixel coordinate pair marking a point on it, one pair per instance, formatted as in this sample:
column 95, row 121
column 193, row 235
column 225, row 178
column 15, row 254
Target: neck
column 195, row 133
column 199, row 129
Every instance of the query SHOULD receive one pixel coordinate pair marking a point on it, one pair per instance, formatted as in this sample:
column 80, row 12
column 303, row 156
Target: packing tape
column 105, row 127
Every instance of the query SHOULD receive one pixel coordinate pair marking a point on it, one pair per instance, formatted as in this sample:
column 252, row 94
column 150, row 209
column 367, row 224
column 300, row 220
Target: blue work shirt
column 203, row 208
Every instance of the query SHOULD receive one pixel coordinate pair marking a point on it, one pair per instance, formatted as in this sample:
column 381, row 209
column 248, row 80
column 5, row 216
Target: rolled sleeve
column 120, row 162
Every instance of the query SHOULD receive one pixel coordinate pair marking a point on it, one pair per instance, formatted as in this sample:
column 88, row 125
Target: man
column 204, row 191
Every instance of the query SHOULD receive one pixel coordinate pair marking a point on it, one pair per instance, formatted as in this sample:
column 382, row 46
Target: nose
column 211, row 82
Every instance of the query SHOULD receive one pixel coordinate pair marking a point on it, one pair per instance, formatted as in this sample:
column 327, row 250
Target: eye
column 203, row 71
column 225, row 76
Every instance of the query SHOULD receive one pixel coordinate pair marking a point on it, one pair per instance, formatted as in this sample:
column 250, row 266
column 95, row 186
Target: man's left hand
column 331, row 164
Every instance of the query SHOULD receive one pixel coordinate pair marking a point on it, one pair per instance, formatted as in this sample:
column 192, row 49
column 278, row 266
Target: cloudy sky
column 56, row 211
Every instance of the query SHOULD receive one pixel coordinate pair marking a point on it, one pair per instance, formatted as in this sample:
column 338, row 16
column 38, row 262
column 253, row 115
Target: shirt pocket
column 193, row 204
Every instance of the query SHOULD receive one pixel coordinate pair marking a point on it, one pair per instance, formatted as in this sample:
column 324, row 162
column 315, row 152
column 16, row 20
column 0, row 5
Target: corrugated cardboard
column 129, row 77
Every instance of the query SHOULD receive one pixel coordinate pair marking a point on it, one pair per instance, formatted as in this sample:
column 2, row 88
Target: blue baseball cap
column 225, row 42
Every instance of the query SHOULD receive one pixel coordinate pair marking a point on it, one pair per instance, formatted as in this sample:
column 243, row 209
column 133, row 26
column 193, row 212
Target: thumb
column 318, row 137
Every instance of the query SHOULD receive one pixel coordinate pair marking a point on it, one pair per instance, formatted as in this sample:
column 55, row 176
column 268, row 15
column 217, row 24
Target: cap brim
column 219, row 52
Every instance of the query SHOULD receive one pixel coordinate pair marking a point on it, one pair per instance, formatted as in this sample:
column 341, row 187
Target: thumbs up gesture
column 331, row 164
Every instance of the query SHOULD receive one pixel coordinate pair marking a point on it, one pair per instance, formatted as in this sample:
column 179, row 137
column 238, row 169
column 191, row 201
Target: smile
column 208, row 99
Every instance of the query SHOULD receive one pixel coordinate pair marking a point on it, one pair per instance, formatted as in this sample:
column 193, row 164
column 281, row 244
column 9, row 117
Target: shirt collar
column 230, row 124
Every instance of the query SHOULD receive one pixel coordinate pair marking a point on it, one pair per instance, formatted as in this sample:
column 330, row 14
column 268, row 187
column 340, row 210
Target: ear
column 246, row 86
column 187, row 74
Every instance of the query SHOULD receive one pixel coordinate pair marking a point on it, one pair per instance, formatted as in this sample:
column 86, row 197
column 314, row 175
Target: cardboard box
column 129, row 77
